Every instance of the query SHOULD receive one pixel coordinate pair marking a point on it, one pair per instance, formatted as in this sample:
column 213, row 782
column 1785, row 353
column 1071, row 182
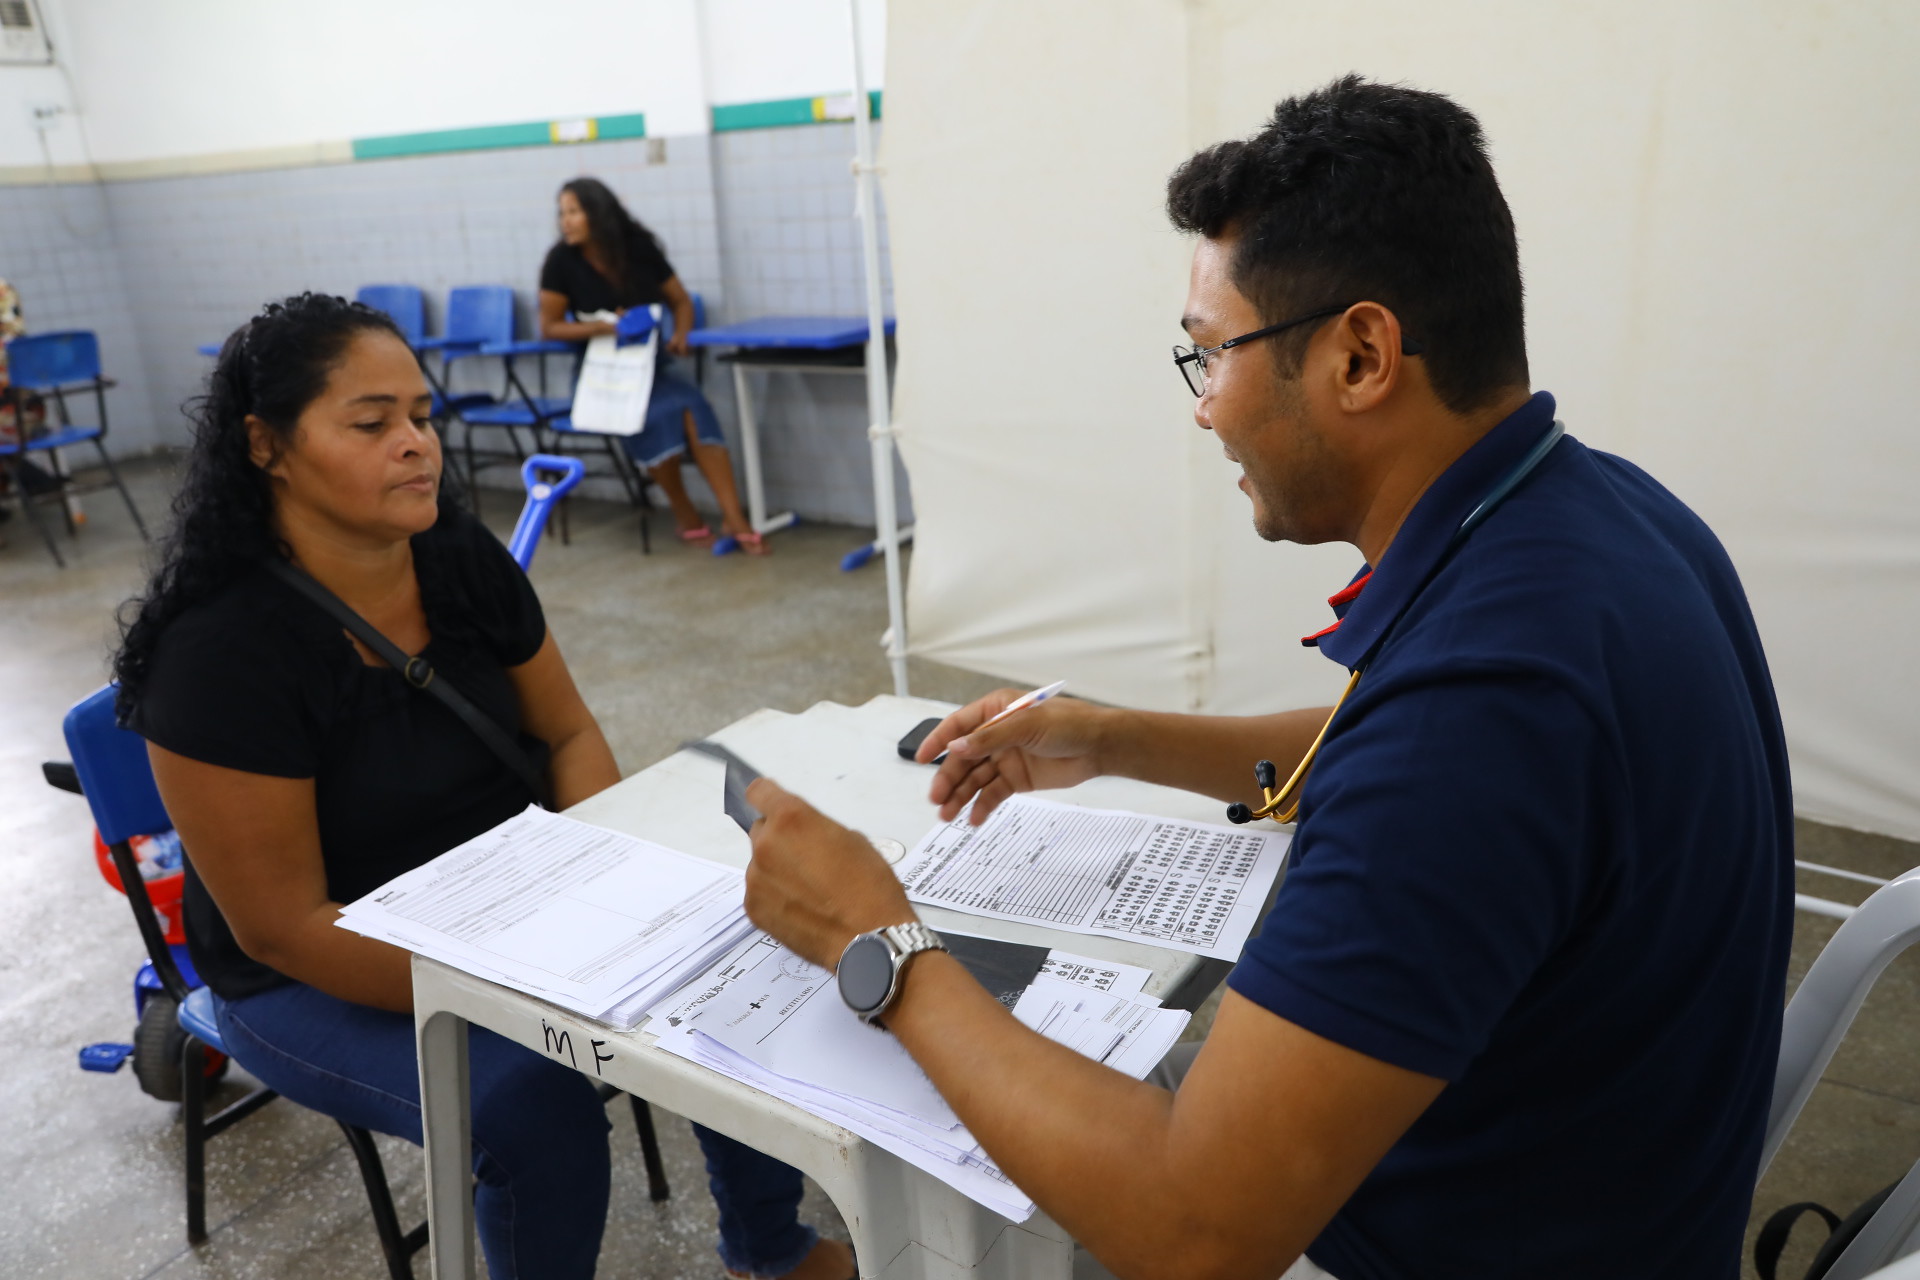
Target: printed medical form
column 1191, row 886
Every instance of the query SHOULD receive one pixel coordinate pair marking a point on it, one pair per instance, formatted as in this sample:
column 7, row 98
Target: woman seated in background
column 607, row 261
column 302, row 772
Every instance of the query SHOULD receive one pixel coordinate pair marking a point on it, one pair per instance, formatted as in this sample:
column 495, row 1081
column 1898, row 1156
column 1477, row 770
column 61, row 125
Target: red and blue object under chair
column 159, row 1037
column 159, row 1040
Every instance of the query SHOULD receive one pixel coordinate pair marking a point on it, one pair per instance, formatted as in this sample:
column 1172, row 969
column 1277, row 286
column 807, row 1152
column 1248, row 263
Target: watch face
column 866, row 973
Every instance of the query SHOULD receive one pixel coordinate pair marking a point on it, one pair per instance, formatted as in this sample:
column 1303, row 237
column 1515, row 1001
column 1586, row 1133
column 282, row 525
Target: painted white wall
column 194, row 77
column 199, row 76
column 23, row 88
column 764, row 50
column 1714, row 200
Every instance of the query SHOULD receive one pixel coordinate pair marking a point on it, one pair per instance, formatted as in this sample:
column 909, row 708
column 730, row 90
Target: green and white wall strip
column 495, row 136
column 827, row 108
column 786, row 111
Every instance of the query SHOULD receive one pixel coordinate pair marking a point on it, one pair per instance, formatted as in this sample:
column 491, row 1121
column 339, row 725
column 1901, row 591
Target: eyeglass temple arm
column 1408, row 346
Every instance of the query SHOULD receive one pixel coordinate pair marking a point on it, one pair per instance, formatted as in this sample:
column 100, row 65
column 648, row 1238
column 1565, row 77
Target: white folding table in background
column 905, row 1224
column 783, row 344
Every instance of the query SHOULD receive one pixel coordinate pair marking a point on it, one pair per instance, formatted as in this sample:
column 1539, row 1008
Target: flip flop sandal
column 699, row 533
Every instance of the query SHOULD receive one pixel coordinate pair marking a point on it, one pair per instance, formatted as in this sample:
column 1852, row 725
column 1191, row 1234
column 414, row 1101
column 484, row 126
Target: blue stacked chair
column 53, row 366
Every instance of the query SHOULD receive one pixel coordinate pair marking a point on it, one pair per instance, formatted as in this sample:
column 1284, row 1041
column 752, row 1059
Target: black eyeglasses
column 1192, row 361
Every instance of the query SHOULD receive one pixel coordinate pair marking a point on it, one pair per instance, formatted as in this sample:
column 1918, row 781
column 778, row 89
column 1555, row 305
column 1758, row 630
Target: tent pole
column 879, row 414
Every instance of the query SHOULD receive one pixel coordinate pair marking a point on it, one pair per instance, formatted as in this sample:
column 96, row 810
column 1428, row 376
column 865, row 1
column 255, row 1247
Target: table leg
column 750, row 454
column 908, row 1225
column 951, row 1239
column 446, row 1121
column 750, row 449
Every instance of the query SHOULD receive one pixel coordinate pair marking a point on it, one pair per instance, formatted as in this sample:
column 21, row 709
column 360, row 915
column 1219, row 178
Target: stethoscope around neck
column 1283, row 804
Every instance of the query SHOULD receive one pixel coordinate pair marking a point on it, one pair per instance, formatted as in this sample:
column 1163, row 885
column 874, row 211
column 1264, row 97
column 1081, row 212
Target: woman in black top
column 607, row 261
column 301, row 772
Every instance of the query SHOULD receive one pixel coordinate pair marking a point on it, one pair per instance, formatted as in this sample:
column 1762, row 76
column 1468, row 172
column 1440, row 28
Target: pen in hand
column 1021, row 703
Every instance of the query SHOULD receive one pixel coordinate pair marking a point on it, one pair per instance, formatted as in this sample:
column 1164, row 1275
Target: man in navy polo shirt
column 1516, row 1009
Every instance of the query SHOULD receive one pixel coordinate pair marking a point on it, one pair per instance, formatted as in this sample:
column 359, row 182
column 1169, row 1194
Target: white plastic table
column 905, row 1224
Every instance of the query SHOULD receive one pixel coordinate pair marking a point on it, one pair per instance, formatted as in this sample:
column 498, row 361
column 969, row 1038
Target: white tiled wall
column 759, row 222
column 789, row 245
column 57, row 249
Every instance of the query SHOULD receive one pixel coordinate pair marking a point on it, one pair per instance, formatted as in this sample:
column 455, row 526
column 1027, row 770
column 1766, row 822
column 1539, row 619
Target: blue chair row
column 479, row 325
column 53, row 366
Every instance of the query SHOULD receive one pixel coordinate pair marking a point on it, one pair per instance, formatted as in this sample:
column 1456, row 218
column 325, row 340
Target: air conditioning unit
column 23, row 36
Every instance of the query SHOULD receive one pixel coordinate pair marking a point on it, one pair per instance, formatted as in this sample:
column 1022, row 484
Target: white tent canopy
column 1715, row 203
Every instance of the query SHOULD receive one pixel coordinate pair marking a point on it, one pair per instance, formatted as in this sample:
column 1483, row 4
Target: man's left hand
column 813, row 884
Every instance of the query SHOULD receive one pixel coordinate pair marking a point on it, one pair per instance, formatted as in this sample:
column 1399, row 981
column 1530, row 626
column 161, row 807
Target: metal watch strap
column 911, row 938
column 907, row 940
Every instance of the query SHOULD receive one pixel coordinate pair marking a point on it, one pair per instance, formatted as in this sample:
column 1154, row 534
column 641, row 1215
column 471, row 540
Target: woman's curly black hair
column 270, row 368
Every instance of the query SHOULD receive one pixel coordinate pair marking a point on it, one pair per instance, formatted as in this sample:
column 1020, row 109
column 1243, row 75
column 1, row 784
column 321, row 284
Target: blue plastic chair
column 53, row 365
column 476, row 314
column 117, row 780
column 407, row 305
column 480, row 325
column 404, row 302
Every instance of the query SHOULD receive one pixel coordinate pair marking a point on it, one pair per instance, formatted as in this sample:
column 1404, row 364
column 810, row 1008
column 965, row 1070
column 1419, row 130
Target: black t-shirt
column 262, row 680
column 567, row 272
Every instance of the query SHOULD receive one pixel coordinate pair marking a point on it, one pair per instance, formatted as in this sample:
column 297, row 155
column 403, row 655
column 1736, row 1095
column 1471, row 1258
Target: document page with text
column 1190, row 886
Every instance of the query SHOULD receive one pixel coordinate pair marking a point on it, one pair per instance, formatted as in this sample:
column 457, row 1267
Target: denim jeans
column 539, row 1132
column 758, row 1197
column 664, row 434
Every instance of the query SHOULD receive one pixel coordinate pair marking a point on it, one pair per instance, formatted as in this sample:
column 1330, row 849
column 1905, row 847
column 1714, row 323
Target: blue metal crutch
column 542, row 496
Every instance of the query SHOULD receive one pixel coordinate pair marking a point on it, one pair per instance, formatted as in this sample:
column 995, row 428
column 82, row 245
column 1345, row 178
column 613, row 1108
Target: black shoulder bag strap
column 419, row 673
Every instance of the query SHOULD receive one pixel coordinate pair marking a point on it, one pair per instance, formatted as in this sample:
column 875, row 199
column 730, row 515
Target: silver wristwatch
column 870, row 967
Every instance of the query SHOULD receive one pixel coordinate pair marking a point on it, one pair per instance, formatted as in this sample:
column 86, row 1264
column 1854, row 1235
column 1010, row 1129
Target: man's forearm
column 1088, row 1143
column 1211, row 755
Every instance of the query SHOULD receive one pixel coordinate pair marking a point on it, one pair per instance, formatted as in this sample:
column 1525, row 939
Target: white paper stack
column 771, row 1020
column 594, row 921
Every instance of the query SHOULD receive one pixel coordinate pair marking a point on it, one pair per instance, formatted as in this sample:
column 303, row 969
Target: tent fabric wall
column 1715, row 209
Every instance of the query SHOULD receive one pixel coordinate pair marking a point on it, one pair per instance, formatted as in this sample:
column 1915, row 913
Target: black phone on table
column 910, row 744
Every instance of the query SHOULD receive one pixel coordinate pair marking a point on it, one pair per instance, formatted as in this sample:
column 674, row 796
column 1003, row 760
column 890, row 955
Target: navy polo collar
column 1369, row 604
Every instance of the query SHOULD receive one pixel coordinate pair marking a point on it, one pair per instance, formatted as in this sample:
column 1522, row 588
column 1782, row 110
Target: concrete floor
column 665, row 648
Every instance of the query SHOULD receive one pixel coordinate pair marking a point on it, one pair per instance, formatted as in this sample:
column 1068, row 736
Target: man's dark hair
column 1371, row 192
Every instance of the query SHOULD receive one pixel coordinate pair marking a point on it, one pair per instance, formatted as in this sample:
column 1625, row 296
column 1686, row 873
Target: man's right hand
column 1054, row 744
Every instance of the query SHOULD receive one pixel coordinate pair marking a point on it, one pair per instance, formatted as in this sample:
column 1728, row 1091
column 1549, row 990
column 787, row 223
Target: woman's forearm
column 581, row 765
column 575, row 330
column 341, row 963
